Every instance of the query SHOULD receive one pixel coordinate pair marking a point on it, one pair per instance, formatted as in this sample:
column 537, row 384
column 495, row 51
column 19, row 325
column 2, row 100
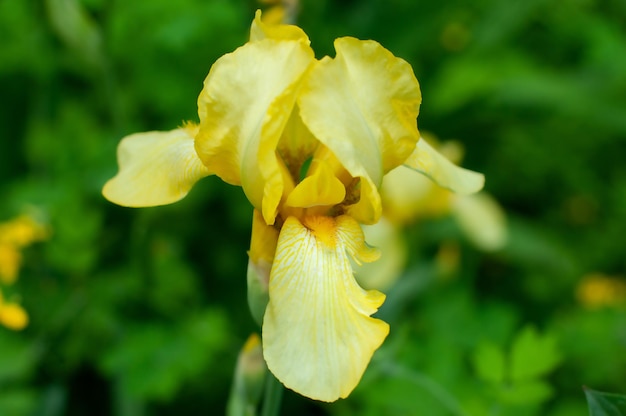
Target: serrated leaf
column 605, row 404
column 489, row 362
column 533, row 355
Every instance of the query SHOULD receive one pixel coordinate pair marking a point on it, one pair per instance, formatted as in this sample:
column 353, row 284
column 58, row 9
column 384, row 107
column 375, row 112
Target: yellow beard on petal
column 323, row 228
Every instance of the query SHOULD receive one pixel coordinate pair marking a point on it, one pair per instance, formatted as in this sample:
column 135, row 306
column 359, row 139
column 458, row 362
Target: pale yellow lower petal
column 155, row 168
column 426, row 160
column 482, row 219
column 318, row 336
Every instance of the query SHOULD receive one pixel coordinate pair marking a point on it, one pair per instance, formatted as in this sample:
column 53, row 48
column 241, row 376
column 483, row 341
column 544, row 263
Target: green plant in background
column 516, row 378
column 142, row 312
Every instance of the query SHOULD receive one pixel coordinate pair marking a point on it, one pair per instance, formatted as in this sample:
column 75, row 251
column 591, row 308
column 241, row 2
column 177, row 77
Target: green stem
column 272, row 397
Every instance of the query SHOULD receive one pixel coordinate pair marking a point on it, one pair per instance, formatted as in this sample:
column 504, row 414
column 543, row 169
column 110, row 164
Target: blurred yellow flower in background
column 597, row 290
column 15, row 235
column 12, row 315
column 310, row 142
column 10, row 262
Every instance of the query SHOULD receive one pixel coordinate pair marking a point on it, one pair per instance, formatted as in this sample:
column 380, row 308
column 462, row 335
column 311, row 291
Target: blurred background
column 116, row 311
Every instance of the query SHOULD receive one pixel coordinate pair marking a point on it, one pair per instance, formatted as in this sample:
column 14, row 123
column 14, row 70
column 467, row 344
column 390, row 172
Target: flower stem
column 272, row 396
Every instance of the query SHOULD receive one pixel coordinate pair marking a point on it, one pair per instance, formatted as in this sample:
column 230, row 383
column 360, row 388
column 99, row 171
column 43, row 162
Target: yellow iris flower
column 309, row 141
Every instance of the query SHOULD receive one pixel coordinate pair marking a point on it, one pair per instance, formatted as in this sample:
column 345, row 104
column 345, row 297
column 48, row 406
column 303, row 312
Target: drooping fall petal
column 318, row 336
column 426, row 160
column 246, row 102
column 363, row 105
column 155, row 168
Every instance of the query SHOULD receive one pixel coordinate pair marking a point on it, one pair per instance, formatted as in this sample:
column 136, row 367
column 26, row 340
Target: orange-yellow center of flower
column 323, row 228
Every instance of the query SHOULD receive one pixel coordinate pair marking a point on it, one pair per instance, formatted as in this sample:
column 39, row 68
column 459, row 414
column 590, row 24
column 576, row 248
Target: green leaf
column 489, row 362
column 605, row 404
column 17, row 401
column 526, row 393
column 533, row 355
column 155, row 361
column 17, row 358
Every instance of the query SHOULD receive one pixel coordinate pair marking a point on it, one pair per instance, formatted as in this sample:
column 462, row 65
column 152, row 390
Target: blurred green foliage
column 139, row 312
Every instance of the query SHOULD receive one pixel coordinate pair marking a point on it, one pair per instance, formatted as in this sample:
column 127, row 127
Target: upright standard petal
column 426, row 160
column 155, row 168
column 246, row 102
column 363, row 106
column 318, row 336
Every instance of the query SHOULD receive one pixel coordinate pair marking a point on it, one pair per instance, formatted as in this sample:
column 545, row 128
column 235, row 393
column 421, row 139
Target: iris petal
column 482, row 219
column 362, row 105
column 318, row 335
column 155, row 168
column 408, row 196
column 426, row 160
column 296, row 144
column 243, row 108
column 320, row 188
